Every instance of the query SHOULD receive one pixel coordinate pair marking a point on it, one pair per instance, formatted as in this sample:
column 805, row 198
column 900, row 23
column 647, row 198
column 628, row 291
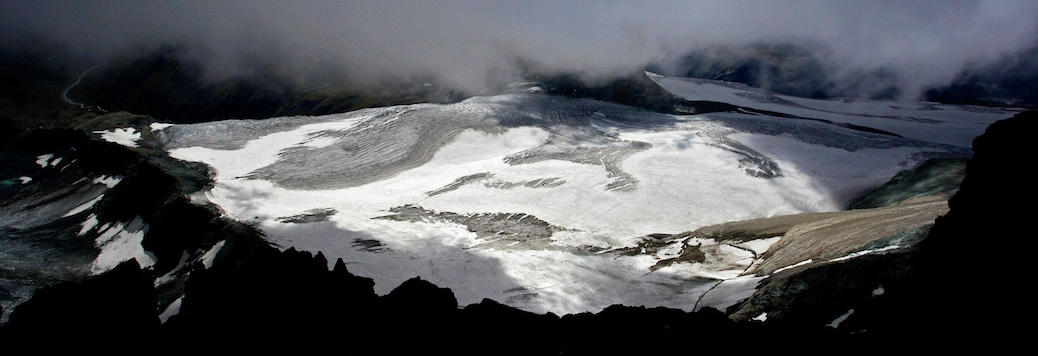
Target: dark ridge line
column 830, row 122
column 705, row 106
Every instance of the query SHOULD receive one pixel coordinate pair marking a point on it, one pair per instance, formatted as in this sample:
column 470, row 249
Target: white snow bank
column 124, row 136
column 836, row 323
column 795, row 265
column 171, row 310
column 89, row 224
column 119, row 243
column 158, row 126
column 863, row 253
column 210, row 255
column 761, row 317
column 108, row 181
column 44, row 160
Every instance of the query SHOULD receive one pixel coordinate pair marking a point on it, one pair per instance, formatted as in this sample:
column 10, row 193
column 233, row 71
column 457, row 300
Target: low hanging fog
column 476, row 44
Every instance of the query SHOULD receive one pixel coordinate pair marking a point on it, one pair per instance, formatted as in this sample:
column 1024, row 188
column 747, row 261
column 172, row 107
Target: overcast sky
column 472, row 42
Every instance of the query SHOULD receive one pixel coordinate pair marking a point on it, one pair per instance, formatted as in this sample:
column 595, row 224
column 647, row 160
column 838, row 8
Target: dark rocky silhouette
column 969, row 267
column 163, row 84
column 1010, row 81
column 120, row 302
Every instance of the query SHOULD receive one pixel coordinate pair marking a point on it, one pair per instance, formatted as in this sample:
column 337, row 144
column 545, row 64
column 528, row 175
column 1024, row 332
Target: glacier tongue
column 938, row 123
column 528, row 199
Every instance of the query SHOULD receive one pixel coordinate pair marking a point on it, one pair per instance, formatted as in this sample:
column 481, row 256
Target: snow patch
column 108, row 181
column 836, row 323
column 44, row 160
column 88, row 225
column 172, row 274
column 119, row 243
column 798, row 264
column 158, row 126
column 171, row 310
column 124, row 136
column 878, row 291
column 83, row 207
column 863, row 253
column 25, row 179
column 208, row 257
column 761, row 317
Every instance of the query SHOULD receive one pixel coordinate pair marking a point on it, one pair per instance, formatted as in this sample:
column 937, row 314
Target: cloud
column 472, row 44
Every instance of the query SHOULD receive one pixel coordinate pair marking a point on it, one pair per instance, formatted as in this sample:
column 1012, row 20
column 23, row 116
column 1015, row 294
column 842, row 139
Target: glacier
column 553, row 204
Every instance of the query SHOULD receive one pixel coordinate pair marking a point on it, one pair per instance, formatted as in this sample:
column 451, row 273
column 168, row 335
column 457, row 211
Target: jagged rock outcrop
column 291, row 292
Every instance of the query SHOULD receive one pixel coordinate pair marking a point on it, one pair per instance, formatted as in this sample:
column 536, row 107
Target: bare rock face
column 852, row 231
column 309, row 216
column 498, row 229
column 935, row 176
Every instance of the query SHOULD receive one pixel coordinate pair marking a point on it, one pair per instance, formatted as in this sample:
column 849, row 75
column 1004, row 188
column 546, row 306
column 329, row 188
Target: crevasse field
column 543, row 202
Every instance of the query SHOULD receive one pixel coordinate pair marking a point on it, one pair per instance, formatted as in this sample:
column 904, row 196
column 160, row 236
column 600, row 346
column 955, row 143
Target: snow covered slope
column 542, row 202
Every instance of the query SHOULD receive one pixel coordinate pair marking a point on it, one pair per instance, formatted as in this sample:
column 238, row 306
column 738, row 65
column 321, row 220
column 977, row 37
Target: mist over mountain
column 885, row 49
